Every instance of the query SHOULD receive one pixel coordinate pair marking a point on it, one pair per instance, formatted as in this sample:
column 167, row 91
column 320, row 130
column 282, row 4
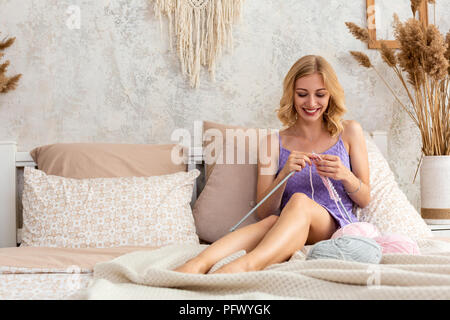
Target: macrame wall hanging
column 202, row 29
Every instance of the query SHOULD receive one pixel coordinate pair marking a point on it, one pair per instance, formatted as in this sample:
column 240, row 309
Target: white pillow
column 389, row 209
column 107, row 212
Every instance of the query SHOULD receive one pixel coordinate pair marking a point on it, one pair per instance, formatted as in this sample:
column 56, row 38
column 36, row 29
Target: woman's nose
column 311, row 101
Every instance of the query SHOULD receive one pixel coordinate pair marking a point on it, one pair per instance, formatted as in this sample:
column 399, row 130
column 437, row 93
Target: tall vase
column 435, row 189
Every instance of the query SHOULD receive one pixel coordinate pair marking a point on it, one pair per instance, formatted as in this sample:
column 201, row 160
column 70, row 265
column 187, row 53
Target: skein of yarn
column 347, row 247
column 363, row 229
column 390, row 243
column 397, row 243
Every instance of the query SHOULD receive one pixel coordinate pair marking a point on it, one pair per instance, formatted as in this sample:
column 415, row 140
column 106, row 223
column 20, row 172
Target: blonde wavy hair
column 336, row 106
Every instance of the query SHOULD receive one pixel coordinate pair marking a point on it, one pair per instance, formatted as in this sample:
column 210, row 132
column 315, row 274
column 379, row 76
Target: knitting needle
column 264, row 199
column 335, row 194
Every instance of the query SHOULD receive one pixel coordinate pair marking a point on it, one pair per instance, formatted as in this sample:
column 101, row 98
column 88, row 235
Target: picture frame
column 373, row 5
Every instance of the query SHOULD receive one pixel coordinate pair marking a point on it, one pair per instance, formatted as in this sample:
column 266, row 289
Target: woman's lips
column 309, row 113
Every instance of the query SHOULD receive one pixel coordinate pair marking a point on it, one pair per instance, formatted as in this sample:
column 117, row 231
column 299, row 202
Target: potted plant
column 422, row 65
column 7, row 83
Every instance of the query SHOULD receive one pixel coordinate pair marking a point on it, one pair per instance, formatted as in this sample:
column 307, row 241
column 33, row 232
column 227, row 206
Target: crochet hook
column 264, row 199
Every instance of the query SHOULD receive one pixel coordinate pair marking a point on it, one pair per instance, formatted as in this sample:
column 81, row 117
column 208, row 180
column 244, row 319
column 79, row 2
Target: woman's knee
column 299, row 197
column 300, row 200
column 300, row 203
column 269, row 221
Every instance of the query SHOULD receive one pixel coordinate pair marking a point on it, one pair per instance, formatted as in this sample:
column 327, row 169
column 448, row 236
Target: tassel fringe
column 201, row 28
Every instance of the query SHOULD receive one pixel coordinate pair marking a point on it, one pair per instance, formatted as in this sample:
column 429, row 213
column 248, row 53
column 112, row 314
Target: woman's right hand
column 296, row 161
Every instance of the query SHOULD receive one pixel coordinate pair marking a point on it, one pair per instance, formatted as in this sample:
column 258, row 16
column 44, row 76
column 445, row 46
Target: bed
column 33, row 265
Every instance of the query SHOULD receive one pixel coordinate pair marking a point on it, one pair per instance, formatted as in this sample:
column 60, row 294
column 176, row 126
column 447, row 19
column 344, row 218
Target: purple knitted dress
column 300, row 182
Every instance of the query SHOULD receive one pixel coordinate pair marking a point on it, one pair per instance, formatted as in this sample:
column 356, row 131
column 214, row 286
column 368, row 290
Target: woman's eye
column 318, row 95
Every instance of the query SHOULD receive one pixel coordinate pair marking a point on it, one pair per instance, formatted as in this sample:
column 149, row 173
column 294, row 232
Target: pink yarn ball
column 363, row 229
column 397, row 243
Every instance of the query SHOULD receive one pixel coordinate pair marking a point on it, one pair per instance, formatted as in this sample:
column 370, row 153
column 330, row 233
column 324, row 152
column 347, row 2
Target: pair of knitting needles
column 332, row 192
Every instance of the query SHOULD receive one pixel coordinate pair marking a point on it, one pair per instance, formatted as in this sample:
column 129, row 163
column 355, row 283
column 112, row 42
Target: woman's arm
column 353, row 133
column 267, row 179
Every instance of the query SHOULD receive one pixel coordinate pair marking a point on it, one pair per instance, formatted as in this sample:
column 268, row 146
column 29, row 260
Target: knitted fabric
column 149, row 275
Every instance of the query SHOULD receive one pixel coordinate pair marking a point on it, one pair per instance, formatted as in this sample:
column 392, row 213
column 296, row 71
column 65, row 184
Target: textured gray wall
column 114, row 80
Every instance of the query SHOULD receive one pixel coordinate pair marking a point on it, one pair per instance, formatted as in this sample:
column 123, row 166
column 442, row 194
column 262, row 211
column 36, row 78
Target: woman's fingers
column 326, row 169
column 327, row 163
column 299, row 163
column 330, row 157
column 301, row 155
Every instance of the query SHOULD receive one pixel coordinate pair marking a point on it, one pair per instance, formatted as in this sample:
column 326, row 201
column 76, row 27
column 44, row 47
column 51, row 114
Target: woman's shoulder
column 351, row 125
column 352, row 132
column 283, row 132
column 351, row 128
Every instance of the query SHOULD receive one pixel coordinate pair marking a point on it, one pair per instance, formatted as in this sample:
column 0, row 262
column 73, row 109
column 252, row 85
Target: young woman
column 311, row 109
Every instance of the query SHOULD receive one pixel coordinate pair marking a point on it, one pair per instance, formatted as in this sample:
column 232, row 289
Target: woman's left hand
column 331, row 166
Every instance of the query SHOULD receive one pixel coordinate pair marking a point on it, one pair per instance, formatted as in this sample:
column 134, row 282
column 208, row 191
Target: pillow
column 226, row 198
column 218, row 144
column 107, row 212
column 389, row 209
column 87, row 160
column 230, row 192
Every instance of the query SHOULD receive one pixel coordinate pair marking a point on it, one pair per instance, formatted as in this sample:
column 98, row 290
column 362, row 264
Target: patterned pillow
column 389, row 209
column 107, row 212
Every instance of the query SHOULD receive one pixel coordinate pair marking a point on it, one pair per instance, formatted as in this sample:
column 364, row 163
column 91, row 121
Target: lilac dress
column 300, row 182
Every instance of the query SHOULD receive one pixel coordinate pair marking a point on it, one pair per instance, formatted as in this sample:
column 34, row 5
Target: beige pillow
column 106, row 160
column 220, row 146
column 226, row 198
column 389, row 209
column 107, row 212
column 230, row 193
column 230, row 190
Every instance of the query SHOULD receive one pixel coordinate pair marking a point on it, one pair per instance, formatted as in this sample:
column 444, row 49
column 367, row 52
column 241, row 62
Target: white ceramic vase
column 435, row 189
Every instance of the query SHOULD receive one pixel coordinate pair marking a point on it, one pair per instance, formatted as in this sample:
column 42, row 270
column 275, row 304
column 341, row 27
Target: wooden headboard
column 12, row 163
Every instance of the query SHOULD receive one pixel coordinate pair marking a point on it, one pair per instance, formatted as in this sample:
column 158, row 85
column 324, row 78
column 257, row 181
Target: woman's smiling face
column 311, row 97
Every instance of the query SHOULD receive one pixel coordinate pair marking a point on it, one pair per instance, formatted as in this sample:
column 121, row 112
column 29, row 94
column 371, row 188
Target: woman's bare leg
column 301, row 222
column 245, row 238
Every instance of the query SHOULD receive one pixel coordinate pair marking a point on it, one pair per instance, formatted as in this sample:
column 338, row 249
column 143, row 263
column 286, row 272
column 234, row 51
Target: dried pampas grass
column 7, row 83
column 388, row 55
column 422, row 65
column 447, row 52
column 415, row 4
column 7, row 43
column 358, row 32
column 362, row 58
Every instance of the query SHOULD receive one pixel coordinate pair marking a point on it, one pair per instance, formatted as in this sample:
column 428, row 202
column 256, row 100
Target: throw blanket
column 148, row 275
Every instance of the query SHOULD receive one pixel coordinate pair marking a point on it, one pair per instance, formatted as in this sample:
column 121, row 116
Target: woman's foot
column 194, row 265
column 241, row 264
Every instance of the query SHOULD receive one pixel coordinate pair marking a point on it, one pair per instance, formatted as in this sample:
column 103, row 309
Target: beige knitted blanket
column 148, row 275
